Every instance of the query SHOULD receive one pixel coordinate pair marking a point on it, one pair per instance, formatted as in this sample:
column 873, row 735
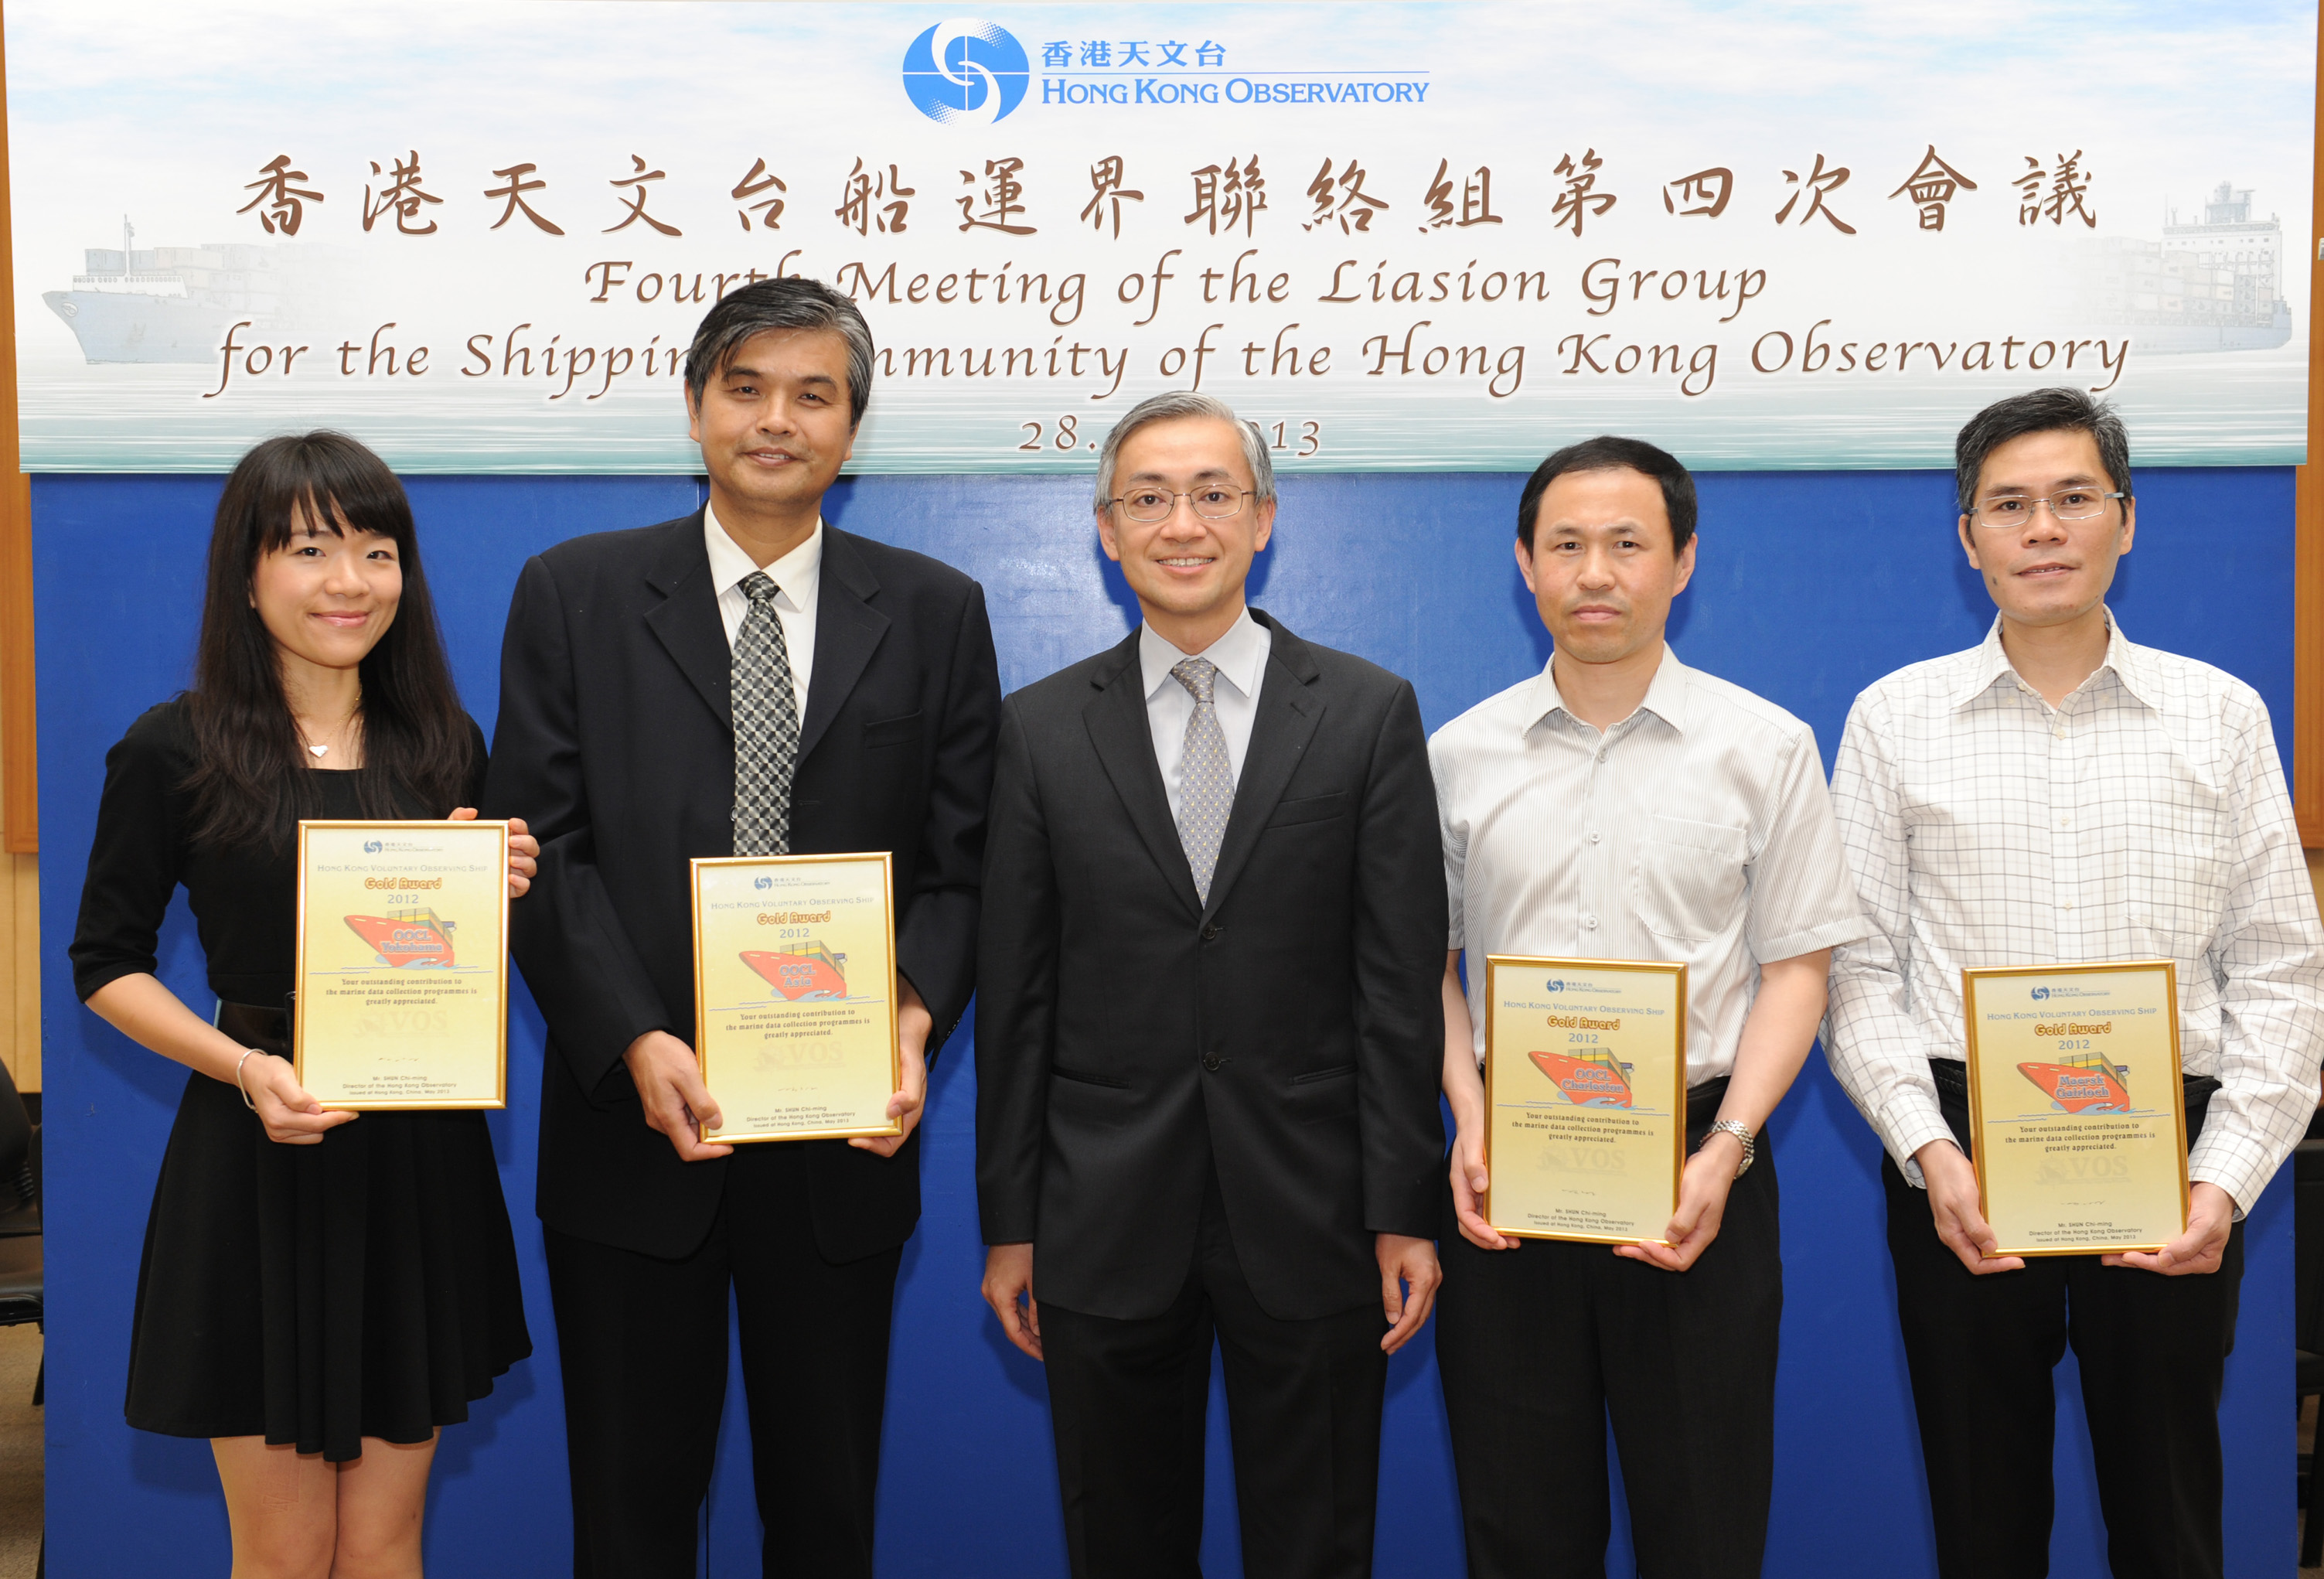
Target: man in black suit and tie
column 1207, row 1035
column 745, row 680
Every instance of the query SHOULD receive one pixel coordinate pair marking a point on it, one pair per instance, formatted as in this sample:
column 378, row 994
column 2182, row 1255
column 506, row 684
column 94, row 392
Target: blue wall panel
column 1809, row 587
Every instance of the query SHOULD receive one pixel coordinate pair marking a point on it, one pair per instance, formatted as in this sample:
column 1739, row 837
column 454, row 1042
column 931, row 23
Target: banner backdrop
column 1397, row 235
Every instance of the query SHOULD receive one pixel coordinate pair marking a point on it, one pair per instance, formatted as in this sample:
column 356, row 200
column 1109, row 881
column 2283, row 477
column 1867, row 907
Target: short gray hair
column 2060, row 409
column 787, row 304
column 1164, row 408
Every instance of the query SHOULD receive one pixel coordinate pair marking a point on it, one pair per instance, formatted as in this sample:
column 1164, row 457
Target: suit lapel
column 847, row 631
column 685, row 621
column 1288, row 711
column 1118, row 727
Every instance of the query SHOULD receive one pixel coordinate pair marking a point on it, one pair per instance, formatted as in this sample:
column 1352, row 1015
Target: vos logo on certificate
column 403, row 969
column 1585, row 1097
column 795, row 995
column 2077, row 1118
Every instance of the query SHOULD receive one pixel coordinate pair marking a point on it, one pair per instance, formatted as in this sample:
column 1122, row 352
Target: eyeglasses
column 2012, row 510
column 1147, row 506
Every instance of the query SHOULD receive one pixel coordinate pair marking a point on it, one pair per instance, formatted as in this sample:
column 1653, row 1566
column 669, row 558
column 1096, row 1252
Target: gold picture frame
column 2078, row 1177
column 1588, row 1165
column 794, row 1010
column 406, row 1028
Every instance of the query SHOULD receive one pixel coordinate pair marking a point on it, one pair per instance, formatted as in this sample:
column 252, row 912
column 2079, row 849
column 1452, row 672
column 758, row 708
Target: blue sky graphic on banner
column 1399, row 237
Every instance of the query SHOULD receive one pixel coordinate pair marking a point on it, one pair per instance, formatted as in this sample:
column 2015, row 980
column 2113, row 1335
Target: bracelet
column 239, row 1086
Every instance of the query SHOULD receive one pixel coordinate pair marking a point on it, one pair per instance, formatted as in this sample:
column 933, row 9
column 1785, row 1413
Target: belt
column 267, row 1030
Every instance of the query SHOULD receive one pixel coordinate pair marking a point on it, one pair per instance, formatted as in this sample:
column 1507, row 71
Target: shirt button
column 1595, row 837
column 2069, row 904
column 2065, row 822
column 1589, row 923
column 1212, row 1061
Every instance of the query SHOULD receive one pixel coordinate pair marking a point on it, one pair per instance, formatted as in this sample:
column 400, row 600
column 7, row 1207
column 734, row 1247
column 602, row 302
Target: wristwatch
column 1741, row 1131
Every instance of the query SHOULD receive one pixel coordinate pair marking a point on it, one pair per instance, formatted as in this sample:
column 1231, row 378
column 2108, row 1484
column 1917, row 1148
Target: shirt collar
column 2125, row 657
column 1665, row 696
column 796, row 573
column 1237, row 655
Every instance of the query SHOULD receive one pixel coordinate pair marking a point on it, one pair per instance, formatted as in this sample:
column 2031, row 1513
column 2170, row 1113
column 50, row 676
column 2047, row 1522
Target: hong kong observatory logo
column 1555, row 984
column 966, row 72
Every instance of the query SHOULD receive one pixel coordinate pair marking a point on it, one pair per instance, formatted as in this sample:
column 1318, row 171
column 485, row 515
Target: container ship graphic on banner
column 419, row 936
column 2084, row 1082
column 2216, row 284
column 809, row 974
column 175, row 303
column 1587, row 1080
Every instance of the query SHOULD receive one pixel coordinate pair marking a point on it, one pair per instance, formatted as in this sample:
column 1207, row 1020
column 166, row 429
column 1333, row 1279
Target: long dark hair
column 251, row 779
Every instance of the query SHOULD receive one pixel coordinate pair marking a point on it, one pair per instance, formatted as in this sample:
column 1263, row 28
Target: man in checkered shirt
column 2059, row 795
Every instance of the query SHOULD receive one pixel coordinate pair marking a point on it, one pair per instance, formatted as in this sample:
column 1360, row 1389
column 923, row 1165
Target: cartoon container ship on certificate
column 809, row 972
column 1587, row 1080
column 402, row 938
column 2082, row 1083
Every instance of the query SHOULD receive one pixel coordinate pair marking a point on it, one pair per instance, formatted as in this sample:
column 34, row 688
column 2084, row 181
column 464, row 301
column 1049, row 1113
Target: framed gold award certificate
column 1585, row 1097
column 402, row 968
column 2074, row 1106
column 795, row 994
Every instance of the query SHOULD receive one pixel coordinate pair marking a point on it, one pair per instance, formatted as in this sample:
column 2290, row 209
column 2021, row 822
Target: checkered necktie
column 1205, row 776
column 766, row 725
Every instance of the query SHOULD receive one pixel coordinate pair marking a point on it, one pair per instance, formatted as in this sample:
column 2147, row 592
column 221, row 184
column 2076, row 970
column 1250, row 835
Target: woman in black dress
column 322, row 1292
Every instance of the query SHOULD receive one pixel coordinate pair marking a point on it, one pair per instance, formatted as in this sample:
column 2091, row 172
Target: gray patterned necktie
column 1205, row 775
column 766, row 725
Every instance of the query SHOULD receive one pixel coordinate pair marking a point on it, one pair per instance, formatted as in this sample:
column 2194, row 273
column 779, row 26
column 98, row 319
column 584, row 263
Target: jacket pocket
column 1322, row 1093
column 1088, row 1077
column 900, row 731
column 1309, row 808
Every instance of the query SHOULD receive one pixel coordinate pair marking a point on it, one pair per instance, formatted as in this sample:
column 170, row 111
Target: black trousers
column 1537, row 1346
column 643, row 1346
column 2152, row 1351
column 1127, row 1400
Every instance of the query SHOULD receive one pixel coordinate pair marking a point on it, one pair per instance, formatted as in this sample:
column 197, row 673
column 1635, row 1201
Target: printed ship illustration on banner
column 806, row 974
column 419, row 936
column 176, row 303
column 2085, row 1083
column 1592, row 1080
column 2212, row 284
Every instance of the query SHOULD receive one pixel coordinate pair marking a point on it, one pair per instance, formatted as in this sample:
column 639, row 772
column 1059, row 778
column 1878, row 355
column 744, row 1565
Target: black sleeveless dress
column 313, row 1294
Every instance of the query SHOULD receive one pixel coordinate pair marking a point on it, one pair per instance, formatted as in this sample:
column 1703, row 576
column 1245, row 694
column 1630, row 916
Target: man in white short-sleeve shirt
column 1621, row 806
column 2059, row 795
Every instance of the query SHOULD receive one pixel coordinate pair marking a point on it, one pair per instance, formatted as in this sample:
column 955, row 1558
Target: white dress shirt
column 798, row 576
column 1698, row 829
column 2146, row 819
column 1241, row 657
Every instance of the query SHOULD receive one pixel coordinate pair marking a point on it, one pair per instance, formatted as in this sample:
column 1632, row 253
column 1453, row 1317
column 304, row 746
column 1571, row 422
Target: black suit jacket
column 616, row 742
column 1290, row 1032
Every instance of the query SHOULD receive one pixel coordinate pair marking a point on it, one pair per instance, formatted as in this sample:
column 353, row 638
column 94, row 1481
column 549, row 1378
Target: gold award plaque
column 1585, row 1097
column 795, row 995
column 402, row 967
column 2075, row 1110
